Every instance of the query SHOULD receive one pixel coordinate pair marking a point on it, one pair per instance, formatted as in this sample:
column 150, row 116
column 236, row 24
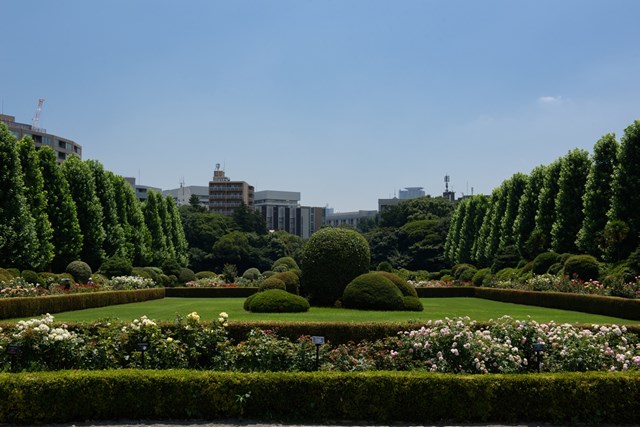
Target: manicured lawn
column 435, row 308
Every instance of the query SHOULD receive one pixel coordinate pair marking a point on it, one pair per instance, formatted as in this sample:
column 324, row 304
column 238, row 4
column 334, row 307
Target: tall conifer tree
column 525, row 221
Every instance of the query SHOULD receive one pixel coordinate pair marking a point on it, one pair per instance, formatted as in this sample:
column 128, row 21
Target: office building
column 142, row 191
column 411, row 193
column 182, row 195
column 225, row 195
column 281, row 210
column 348, row 218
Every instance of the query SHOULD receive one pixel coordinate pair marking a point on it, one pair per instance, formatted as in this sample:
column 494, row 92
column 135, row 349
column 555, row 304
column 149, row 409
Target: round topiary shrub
column 481, row 276
column 272, row 283
column 406, row 289
column 5, row 276
column 543, row 261
column 14, row 272
column 116, row 266
column 80, row 271
column 291, row 281
column 555, row 269
column 412, row 304
column 286, row 261
column 385, row 266
column 458, row 269
column 186, row 275
column 171, row 267
column 206, row 275
column 331, row 259
column 584, row 267
column 372, row 291
column 277, row 301
column 247, row 302
column 280, row 268
column 142, row 272
column 99, row 279
column 251, row 274
column 32, row 277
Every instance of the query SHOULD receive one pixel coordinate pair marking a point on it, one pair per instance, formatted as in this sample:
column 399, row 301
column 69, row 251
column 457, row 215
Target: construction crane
column 36, row 117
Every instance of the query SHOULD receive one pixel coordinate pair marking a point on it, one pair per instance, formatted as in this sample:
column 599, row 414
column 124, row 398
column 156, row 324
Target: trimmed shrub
column 186, row 275
column 277, row 301
column 229, row 272
column 268, row 273
column 99, row 279
column 141, row 272
column 555, row 269
column 280, row 268
column 291, row 281
column 171, row 267
column 406, row 289
column 286, row 261
column 251, row 274
column 116, row 266
column 14, row 272
column 525, row 270
column 272, row 283
column 506, row 257
column 458, row 269
column 481, row 276
column 372, row 291
column 467, row 275
column 80, row 271
column 206, row 275
column 506, row 274
column 385, row 266
column 247, row 303
column 444, row 272
column 543, row 261
column 331, row 259
column 412, row 304
column 5, row 276
column 154, row 273
column 32, row 277
column 584, row 267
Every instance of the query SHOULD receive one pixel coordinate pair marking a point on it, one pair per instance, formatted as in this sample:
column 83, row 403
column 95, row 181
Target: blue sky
column 344, row 101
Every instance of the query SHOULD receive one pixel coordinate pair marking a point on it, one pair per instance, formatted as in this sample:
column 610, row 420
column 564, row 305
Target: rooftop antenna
column 36, row 117
column 446, row 183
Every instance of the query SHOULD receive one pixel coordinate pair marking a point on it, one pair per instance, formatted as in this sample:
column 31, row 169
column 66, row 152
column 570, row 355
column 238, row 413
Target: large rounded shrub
column 331, row 259
column 272, row 283
column 543, row 261
column 406, row 289
column 412, row 304
column 372, row 291
column 277, row 301
column 32, row 277
column 291, row 281
column 286, row 261
column 584, row 267
column 251, row 274
column 80, row 271
column 171, row 267
column 186, row 275
column 116, row 266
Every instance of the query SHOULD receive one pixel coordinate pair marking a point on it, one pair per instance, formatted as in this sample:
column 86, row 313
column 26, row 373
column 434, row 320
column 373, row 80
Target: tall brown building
column 226, row 195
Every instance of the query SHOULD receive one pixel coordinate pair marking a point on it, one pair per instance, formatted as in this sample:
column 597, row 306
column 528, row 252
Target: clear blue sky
column 345, row 101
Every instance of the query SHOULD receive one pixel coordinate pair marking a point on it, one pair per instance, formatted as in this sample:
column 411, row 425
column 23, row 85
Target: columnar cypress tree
column 61, row 211
column 476, row 210
column 478, row 253
column 499, row 199
column 132, row 219
column 451, row 243
column 597, row 195
column 515, row 187
column 540, row 239
column 177, row 236
column 90, row 215
column 568, row 206
column 151, row 209
column 18, row 238
column 625, row 201
column 525, row 221
column 37, row 201
column 115, row 243
column 167, row 225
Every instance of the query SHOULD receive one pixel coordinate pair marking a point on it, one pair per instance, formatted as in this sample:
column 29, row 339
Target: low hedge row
column 380, row 397
column 30, row 306
column 210, row 292
column 446, row 292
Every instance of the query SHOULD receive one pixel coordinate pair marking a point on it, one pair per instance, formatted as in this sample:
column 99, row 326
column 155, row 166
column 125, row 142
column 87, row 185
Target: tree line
column 52, row 214
column 580, row 203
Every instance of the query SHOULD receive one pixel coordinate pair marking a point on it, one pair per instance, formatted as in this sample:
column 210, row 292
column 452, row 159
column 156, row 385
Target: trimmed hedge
column 23, row 307
column 209, row 292
column 446, row 292
column 368, row 397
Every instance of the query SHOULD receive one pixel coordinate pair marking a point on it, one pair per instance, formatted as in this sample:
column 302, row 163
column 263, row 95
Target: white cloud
column 550, row 99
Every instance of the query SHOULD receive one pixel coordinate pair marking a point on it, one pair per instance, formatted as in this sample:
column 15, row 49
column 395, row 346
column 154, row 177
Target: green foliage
column 597, row 195
column 230, row 272
column 288, row 262
column 171, row 267
column 405, row 288
column 481, row 277
column 507, row 256
column 177, row 235
column 31, row 276
column 416, row 209
column 331, row 259
column 540, row 239
column 272, row 283
column 385, row 266
column 186, row 275
column 467, row 274
column 90, row 214
column 277, row 301
column 251, row 274
column 80, row 270
column 248, row 220
column 584, row 267
column 131, row 217
column 626, row 192
column 232, row 248
column 206, row 275
column 291, row 281
column 116, row 266
column 18, row 237
column 202, row 229
column 543, row 261
column 14, row 271
column 515, row 187
column 458, row 269
column 525, row 221
column 152, row 209
column 506, row 274
column 372, row 291
column 412, row 303
column 555, row 269
column 568, row 206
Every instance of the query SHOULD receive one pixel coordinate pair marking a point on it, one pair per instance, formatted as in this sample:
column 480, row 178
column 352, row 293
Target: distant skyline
column 343, row 101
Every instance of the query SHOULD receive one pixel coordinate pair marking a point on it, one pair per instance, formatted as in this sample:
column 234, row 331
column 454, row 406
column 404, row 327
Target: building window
column 61, row 156
column 62, row 144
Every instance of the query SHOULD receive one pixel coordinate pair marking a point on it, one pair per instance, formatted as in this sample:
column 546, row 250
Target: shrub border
column 380, row 397
column 210, row 292
column 36, row 306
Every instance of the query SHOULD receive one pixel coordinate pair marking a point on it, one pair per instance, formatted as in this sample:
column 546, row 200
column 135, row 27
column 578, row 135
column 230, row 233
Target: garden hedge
column 30, row 306
column 369, row 397
column 210, row 292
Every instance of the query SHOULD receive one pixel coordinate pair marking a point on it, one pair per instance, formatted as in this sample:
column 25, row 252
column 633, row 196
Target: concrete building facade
column 348, row 218
column 142, row 191
column 183, row 194
column 62, row 146
column 225, row 195
column 281, row 210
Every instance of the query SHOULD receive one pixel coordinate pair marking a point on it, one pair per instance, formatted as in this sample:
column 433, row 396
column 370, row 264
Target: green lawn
column 435, row 308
